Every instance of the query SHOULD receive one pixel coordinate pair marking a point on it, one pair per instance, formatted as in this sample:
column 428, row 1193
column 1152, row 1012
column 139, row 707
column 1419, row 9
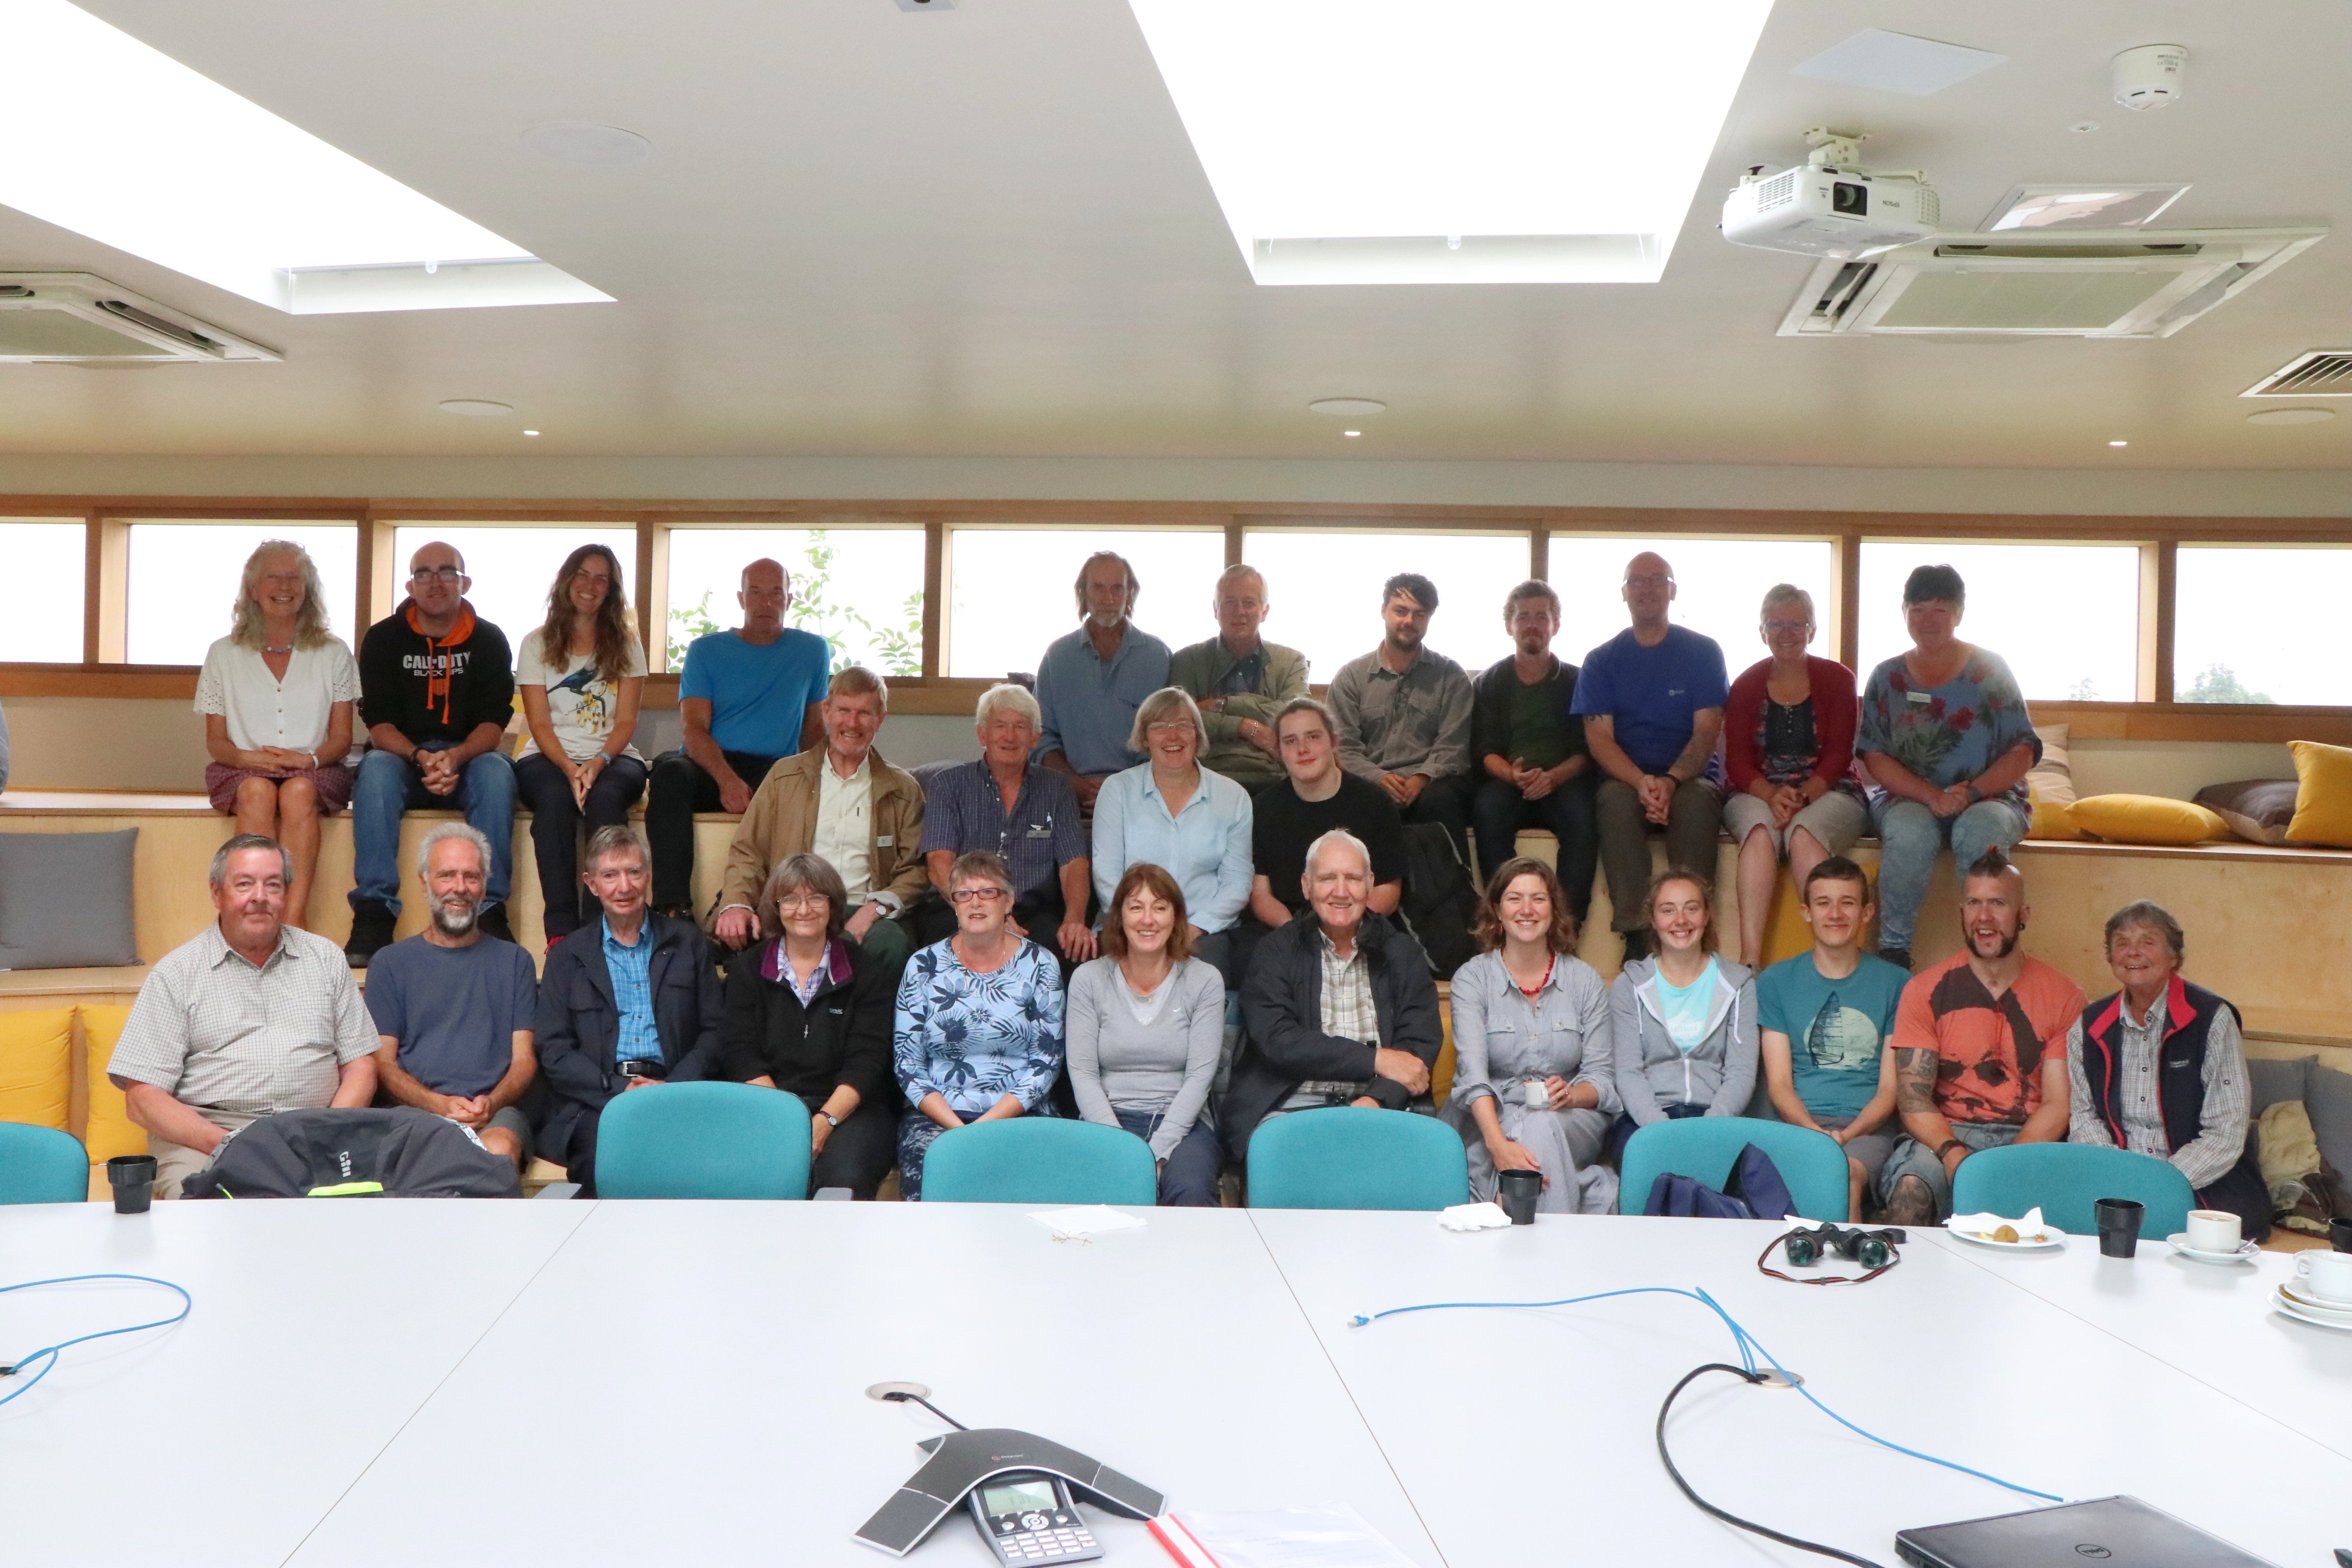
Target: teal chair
column 42, row 1165
column 1356, row 1157
column 703, row 1141
column 1040, row 1160
column 2065, row 1180
column 1705, row 1147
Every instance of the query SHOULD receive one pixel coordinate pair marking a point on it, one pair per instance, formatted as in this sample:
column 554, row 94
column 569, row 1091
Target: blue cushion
column 41, row 1165
column 1356, row 1157
column 1704, row 1148
column 703, row 1141
column 2065, row 1182
column 1039, row 1160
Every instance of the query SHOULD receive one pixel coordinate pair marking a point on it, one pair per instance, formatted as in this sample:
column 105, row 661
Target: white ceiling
column 983, row 232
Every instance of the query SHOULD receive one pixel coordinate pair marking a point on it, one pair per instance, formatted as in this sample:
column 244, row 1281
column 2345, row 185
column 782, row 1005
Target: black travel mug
column 1517, row 1190
column 2119, row 1226
column 2339, row 1233
column 134, row 1176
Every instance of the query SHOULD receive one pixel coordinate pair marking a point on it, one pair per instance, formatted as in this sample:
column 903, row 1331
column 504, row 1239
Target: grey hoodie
column 1653, row 1073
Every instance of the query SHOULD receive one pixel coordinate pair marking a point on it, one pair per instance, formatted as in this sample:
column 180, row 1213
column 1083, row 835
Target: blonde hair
column 1163, row 707
column 309, row 622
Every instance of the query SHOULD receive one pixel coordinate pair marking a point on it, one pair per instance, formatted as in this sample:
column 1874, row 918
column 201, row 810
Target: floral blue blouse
column 975, row 1039
column 1952, row 733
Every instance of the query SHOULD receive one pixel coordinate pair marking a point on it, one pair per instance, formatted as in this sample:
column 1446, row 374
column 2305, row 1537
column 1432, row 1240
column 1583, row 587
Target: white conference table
column 385, row 1382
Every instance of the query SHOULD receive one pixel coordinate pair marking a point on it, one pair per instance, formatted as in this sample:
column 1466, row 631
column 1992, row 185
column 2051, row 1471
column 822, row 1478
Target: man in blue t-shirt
column 747, row 698
column 455, row 1015
column 1826, row 1017
column 1653, row 697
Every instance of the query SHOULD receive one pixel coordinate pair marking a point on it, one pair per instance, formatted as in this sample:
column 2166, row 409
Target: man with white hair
column 1090, row 683
column 453, row 1014
column 1009, row 804
column 250, row 1016
column 1339, row 1009
column 1239, row 681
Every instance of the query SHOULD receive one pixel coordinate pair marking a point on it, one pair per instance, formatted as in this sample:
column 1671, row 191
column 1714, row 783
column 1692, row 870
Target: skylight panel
column 1452, row 141
column 113, row 139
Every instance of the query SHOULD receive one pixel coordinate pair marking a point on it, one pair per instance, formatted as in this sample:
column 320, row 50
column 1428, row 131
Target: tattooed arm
column 1914, row 1096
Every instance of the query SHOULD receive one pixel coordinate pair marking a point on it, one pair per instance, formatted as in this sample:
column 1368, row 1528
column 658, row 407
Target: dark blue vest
column 2189, row 1012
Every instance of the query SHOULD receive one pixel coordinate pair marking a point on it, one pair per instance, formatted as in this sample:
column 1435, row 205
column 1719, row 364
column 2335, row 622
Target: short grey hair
column 1013, row 694
column 2156, row 918
column 1785, row 594
column 441, row 833
column 1337, row 836
column 1164, row 707
column 238, row 844
column 620, row 838
column 980, row 866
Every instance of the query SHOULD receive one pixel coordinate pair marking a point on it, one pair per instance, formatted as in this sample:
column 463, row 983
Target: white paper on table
column 2032, row 1227
column 1087, row 1219
column 1474, row 1216
column 1330, row 1535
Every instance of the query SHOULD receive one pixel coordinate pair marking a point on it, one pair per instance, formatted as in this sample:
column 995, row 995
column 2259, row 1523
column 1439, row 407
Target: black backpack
column 1441, row 900
column 400, row 1152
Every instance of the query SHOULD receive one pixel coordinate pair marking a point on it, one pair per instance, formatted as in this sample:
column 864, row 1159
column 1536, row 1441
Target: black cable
column 1709, row 1509
column 897, row 1395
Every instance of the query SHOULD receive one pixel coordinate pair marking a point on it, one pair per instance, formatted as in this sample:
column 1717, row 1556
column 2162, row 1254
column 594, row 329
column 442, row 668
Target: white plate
column 2246, row 1253
column 2306, row 1301
column 2038, row 1244
column 2301, row 1314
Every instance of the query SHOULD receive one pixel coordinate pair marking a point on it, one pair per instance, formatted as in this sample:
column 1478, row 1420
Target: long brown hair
column 613, row 631
column 1560, row 937
column 1152, row 879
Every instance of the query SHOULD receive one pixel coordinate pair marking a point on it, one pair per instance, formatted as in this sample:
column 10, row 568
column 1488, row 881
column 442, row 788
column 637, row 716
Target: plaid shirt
column 1346, row 1012
column 2222, row 1128
column 631, row 967
column 963, row 810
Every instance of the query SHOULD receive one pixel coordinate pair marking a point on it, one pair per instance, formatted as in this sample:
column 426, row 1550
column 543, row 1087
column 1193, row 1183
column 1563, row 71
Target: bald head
column 766, row 595
column 1649, row 589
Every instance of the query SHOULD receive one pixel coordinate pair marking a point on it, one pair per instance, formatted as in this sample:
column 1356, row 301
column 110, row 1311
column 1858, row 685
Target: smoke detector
column 2151, row 76
column 78, row 318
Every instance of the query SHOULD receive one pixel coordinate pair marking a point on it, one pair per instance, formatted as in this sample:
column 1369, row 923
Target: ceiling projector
column 1830, row 205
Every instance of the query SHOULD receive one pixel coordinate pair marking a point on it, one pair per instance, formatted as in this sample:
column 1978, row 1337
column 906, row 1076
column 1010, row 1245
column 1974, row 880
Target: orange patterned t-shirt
column 1992, row 1047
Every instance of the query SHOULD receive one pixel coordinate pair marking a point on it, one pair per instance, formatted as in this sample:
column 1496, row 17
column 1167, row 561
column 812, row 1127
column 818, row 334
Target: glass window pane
column 184, row 577
column 43, row 623
column 1324, row 589
column 1719, row 586
column 513, row 568
column 1010, row 594
column 861, row 589
column 2261, row 624
column 2065, row 617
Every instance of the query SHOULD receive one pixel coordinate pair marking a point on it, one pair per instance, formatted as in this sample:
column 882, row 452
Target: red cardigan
column 1836, row 714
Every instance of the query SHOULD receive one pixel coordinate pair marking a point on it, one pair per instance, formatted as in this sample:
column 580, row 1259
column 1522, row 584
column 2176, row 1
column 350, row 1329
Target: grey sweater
column 1652, row 1072
column 1162, row 1067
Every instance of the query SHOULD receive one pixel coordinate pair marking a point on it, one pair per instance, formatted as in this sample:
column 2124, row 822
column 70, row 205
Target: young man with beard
column 1090, row 683
column 1980, row 1049
column 1404, row 715
column 1530, row 747
column 453, row 1014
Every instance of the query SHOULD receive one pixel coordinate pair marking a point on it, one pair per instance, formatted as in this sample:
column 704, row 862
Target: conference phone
column 1026, row 1517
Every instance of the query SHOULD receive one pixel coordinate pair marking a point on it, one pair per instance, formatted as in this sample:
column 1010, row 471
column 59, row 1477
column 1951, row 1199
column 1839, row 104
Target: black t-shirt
column 1285, row 826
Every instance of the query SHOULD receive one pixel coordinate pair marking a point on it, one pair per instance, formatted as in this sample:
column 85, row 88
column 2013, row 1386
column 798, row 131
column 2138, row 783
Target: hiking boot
column 1898, row 956
column 372, row 923
column 492, row 921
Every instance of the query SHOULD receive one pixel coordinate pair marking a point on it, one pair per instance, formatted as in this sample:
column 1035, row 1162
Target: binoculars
column 1871, row 1248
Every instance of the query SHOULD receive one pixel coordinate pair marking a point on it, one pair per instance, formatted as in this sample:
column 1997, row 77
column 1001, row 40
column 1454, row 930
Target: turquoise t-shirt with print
column 1836, row 1028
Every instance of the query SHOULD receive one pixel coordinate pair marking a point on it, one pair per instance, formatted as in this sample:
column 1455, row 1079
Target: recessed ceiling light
column 2291, row 417
column 530, row 432
column 1352, row 434
column 1347, row 406
column 118, row 141
column 1471, row 142
column 2084, row 127
column 587, row 142
column 2119, row 443
column 480, row 407
column 1897, row 62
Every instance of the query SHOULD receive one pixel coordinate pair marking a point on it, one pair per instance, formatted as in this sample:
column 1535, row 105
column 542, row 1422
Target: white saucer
column 2305, row 1301
column 2246, row 1253
column 2341, row 1321
column 2038, row 1244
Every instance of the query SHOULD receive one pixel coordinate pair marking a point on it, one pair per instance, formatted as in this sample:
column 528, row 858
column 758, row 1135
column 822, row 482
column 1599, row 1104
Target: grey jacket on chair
column 1653, row 1073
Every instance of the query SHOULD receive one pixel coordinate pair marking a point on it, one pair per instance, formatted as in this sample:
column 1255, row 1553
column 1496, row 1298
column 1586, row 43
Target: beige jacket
column 782, row 823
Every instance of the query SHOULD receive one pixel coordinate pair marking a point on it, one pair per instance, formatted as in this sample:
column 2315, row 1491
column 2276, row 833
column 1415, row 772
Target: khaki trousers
column 174, row 1163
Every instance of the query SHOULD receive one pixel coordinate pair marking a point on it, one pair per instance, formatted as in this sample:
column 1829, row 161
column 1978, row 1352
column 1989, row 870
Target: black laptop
column 2108, row 1532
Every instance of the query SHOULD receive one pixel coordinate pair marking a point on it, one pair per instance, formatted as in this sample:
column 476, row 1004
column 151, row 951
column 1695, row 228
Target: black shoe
column 1637, row 945
column 492, row 921
column 1898, row 956
column 371, row 925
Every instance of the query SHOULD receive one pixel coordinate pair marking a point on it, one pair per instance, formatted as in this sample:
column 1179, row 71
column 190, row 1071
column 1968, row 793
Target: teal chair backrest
column 1356, row 1157
column 1704, row 1148
column 1040, row 1160
column 703, row 1141
column 2065, row 1181
column 42, row 1165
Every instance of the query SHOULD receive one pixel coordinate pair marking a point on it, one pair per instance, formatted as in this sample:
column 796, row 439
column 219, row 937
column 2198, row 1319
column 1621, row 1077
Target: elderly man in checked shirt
column 251, row 1016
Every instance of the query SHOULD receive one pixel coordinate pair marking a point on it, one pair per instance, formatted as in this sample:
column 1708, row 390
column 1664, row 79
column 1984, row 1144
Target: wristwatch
column 830, row 1119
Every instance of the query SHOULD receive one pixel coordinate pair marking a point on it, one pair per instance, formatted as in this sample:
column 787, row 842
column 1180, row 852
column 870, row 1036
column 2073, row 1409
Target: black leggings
column 555, row 827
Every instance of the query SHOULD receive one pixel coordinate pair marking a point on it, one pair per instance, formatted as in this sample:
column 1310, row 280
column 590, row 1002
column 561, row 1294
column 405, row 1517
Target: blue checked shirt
column 633, row 992
column 963, row 810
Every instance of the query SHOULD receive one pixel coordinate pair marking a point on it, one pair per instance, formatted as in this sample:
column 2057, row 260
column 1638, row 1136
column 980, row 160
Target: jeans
column 680, row 788
column 1913, row 1158
column 1909, row 836
column 389, row 787
column 555, row 827
column 1501, row 811
column 1190, row 1178
column 1692, row 822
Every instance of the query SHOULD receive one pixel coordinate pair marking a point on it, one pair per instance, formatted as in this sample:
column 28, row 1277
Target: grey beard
column 448, row 920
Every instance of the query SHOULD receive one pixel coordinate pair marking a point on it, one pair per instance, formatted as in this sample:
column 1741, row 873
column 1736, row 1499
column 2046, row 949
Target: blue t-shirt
column 1650, row 693
column 759, row 696
column 454, row 1010
column 1836, row 1028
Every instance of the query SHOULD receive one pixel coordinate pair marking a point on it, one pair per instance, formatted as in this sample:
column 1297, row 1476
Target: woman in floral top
column 979, row 1034
column 1945, row 737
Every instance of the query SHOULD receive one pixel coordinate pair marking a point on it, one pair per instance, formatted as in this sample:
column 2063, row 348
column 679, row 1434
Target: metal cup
column 2119, row 1220
column 1517, row 1192
column 134, row 1176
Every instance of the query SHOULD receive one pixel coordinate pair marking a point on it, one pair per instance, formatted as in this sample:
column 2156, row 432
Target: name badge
column 1918, row 698
column 885, row 840
column 1045, row 832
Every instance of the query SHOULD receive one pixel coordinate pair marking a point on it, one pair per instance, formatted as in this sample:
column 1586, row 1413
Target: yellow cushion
column 2146, row 819
column 2323, row 796
column 1440, row 1071
column 2056, row 820
column 109, row 1130
column 36, row 1072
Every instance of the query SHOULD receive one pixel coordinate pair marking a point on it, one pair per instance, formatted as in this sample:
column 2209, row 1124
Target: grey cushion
column 2329, row 1101
column 2273, row 1082
column 2257, row 810
column 65, row 901
column 925, row 772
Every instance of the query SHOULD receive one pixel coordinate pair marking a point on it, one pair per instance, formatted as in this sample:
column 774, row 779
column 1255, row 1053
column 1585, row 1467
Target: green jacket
column 1201, row 668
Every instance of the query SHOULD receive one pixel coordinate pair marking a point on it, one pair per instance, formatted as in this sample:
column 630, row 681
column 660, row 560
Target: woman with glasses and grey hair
column 978, row 1029
column 1175, row 814
column 808, row 1013
column 2159, row 1068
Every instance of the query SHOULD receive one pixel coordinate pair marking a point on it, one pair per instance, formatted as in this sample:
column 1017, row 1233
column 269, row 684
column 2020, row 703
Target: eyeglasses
column 1181, row 727
column 428, row 574
column 1780, row 628
column 795, row 903
column 968, row 895
column 1652, row 580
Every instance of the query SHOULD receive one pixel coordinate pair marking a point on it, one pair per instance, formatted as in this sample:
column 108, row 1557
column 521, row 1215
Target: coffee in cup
column 2328, row 1273
column 2212, row 1230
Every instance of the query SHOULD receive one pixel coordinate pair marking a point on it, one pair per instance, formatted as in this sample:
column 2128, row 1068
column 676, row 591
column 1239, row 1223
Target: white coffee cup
column 2212, row 1230
column 1535, row 1094
column 2329, row 1274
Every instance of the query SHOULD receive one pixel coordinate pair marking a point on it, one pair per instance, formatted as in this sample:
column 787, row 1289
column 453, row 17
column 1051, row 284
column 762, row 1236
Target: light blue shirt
column 630, row 966
column 1205, row 846
column 1685, row 1008
column 1089, row 704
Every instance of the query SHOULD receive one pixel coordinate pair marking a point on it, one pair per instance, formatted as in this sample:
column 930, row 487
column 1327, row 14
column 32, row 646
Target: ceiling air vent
column 78, row 318
column 2078, row 283
column 2321, row 372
